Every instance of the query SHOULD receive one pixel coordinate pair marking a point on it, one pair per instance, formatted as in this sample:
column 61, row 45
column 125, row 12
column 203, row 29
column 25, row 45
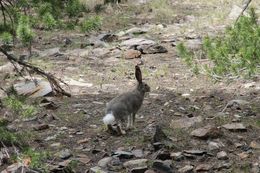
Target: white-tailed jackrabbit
column 126, row 105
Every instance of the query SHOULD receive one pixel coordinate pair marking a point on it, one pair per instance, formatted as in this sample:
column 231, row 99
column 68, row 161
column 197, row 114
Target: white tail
column 109, row 119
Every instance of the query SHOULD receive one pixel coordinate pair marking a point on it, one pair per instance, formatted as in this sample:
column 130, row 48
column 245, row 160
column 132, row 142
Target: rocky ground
column 187, row 123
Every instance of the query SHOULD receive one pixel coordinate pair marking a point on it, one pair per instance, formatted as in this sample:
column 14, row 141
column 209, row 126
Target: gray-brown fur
column 125, row 106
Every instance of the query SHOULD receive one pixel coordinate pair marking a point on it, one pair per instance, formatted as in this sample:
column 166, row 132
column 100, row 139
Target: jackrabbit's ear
column 138, row 74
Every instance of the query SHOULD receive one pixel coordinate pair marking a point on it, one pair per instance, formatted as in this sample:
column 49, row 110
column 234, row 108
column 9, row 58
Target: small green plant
column 73, row 8
column 92, row 23
column 19, row 107
column 36, row 158
column 6, row 38
column 49, row 21
column 24, row 32
column 236, row 53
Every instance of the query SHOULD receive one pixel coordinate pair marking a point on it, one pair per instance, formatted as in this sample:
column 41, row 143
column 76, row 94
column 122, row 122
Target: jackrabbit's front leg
column 129, row 120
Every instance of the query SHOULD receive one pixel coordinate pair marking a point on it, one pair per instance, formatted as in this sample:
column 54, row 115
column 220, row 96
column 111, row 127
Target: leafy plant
column 73, row 8
column 24, row 32
column 92, row 23
column 6, row 38
column 49, row 21
column 18, row 107
column 236, row 53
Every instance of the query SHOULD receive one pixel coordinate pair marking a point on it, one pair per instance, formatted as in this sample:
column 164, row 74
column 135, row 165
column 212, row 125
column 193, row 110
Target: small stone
column 41, row 127
column 195, row 152
column 103, row 162
column 56, row 145
column 115, row 165
column 97, row 169
column 83, row 158
column 65, row 154
column 82, row 141
column 132, row 54
column 203, row 167
column 224, row 165
column 255, row 145
column 177, row 156
column 235, row 127
column 149, row 171
column 186, row 169
column 185, row 122
column 138, row 169
column 136, row 163
column 222, row 155
column 214, row 145
column 206, row 132
column 138, row 153
column 243, row 155
column 123, row 154
column 163, row 166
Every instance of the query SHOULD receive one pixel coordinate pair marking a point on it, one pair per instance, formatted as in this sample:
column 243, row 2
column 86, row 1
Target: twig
column 54, row 82
column 245, row 6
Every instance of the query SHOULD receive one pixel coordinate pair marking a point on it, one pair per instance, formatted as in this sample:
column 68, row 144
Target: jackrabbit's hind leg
column 128, row 121
column 120, row 130
column 133, row 120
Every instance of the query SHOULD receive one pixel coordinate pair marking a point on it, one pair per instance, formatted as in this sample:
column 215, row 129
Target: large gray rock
column 137, row 42
column 235, row 127
column 206, row 132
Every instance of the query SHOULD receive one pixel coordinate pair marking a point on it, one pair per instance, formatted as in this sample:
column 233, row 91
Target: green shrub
column 92, row 23
column 24, row 31
column 6, row 38
column 49, row 21
column 236, row 53
column 73, row 8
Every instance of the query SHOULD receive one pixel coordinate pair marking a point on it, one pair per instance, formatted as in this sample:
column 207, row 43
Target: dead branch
column 245, row 6
column 54, row 81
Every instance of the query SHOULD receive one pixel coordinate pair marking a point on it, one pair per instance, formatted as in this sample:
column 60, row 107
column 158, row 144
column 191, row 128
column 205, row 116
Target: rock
column 50, row 52
column 163, row 166
column 222, row 155
column 123, row 154
column 161, row 138
column 136, row 163
column 255, row 168
column 235, row 12
column 152, row 49
column 137, row 42
column 185, row 122
column 250, row 85
column 56, row 145
column 195, row 152
column 108, row 37
column 65, row 154
column 67, row 41
column 255, row 145
column 163, row 155
column 235, row 127
column 33, row 89
column 82, row 141
column 115, row 165
column 41, row 127
column 149, row 171
column 186, row 169
column 132, row 54
column 100, row 52
column 103, row 162
column 139, row 169
column 136, row 30
column 214, row 145
column 203, row 167
column 73, row 82
column 206, row 132
column 224, row 165
column 83, row 158
column 243, row 155
column 177, row 156
column 138, row 153
column 97, row 169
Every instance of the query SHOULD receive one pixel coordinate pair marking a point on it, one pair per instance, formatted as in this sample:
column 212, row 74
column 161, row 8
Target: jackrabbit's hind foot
column 120, row 130
column 111, row 130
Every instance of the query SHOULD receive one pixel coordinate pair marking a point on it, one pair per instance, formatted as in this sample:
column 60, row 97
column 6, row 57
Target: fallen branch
column 54, row 82
column 245, row 6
